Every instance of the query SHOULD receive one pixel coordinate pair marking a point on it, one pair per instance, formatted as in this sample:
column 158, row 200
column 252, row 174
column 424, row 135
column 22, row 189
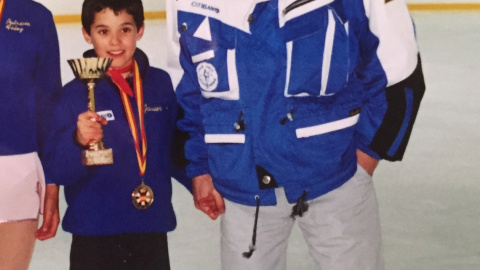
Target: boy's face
column 114, row 36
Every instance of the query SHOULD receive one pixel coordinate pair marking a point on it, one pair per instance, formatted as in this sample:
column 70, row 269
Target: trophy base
column 97, row 157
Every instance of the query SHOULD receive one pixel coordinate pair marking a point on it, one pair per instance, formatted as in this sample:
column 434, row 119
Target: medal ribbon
column 126, row 91
column 2, row 6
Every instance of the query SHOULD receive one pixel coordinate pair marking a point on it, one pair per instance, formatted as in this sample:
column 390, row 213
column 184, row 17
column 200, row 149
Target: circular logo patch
column 207, row 76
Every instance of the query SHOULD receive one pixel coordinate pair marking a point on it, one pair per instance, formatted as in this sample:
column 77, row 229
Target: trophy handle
column 96, row 153
column 91, row 95
column 93, row 146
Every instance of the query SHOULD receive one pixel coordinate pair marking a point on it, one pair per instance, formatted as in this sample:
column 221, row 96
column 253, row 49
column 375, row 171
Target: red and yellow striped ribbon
column 2, row 6
column 141, row 153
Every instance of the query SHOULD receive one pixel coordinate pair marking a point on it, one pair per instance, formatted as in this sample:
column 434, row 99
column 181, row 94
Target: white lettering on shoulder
column 17, row 26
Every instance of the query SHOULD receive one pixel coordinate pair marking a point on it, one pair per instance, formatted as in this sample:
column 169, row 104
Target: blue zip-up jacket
column 281, row 93
column 99, row 197
column 29, row 76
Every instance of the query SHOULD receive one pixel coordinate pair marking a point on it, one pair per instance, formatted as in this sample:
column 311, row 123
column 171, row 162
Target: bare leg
column 17, row 240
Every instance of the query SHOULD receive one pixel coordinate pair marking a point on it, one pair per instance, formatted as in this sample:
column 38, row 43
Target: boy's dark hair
column 92, row 7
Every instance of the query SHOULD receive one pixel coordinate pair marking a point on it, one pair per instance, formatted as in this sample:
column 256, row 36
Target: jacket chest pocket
column 211, row 49
column 317, row 45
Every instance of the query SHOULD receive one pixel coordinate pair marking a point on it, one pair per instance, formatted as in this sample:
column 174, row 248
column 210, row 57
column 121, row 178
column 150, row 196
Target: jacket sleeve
column 48, row 85
column 62, row 157
column 391, row 106
column 189, row 97
column 179, row 161
column 180, row 175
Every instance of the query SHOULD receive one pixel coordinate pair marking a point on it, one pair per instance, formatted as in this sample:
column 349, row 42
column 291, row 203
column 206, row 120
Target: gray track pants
column 341, row 228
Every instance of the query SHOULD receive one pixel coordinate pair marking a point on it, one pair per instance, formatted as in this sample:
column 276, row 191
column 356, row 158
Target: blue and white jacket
column 29, row 76
column 281, row 93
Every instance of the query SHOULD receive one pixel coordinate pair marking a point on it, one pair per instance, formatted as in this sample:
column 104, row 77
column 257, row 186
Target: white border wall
column 66, row 7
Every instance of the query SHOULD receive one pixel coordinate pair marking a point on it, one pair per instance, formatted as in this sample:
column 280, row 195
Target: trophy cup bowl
column 90, row 70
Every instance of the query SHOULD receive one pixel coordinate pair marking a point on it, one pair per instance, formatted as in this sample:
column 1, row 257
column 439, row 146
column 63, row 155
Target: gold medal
column 142, row 197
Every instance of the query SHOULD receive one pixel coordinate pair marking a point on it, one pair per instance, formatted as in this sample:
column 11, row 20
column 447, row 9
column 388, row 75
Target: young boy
column 109, row 231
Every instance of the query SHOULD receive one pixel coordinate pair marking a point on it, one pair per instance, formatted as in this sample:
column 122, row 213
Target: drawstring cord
column 240, row 124
column 301, row 206
column 254, row 236
column 297, row 210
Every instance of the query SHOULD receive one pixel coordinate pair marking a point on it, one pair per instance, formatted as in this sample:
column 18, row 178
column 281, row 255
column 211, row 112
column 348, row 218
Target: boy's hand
column 206, row 198
column 51, row 216
column 89, row 127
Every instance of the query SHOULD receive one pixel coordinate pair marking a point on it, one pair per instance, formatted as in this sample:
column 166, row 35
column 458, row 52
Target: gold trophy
column 91, row 70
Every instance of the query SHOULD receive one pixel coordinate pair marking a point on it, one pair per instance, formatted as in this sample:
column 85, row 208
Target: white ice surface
column 429, row 203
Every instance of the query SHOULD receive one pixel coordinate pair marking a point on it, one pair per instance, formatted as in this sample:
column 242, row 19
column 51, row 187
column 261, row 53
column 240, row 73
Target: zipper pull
column 289, row 117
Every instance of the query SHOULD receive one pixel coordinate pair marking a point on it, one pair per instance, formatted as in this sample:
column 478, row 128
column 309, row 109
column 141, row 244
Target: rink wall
column 68, row 11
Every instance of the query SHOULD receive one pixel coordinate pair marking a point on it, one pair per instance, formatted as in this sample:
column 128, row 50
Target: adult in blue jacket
column 29, row 86
column 290, row 105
